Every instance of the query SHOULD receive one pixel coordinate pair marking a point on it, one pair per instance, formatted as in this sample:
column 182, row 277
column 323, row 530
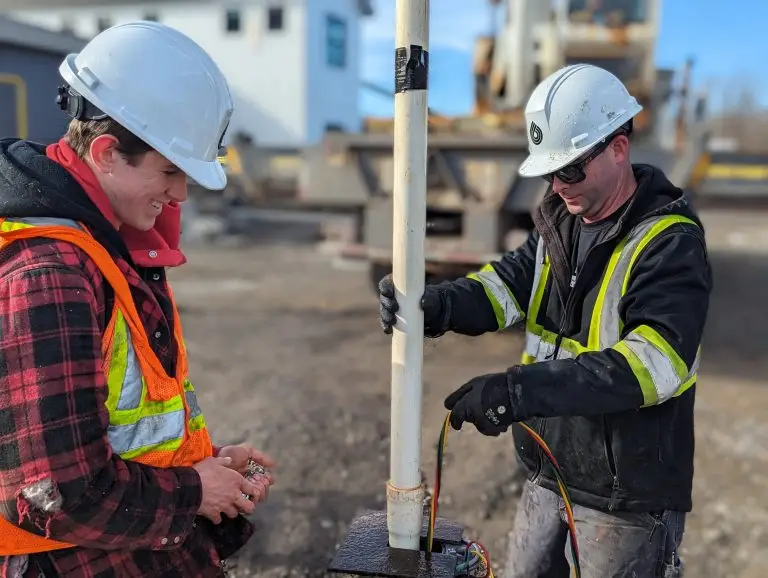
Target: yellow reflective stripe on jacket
column 533, row 331
column 17, row 224
column 659, row 369
column 661, row 372
column 505, row 306
column 539, row 342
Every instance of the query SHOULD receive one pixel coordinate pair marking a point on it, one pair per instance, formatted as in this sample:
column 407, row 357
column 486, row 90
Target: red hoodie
column 163, row 238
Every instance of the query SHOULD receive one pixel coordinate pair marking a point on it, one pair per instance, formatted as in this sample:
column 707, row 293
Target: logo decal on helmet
column 536, row 134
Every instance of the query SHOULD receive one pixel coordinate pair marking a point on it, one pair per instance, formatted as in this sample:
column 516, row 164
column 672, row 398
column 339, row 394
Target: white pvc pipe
column 405, row 492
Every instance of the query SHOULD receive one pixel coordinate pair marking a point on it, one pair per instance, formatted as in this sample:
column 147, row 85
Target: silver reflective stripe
column 693, row 373
column 194, row 407
column 539, row 266
column 544, row 350
column 48, row 222
column 660, row 371
column 533, row 341
column 131, row 390
column 540, row 256
column 610, row 326
column 495, row 286
column 149, row 431
column 665, row 378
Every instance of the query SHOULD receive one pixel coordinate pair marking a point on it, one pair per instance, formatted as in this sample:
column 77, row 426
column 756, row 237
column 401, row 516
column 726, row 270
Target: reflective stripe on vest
column 505, row 306
column 138, row 425
column 660, row 371
column 154, row 419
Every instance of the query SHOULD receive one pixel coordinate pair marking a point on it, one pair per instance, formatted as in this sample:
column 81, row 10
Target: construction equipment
column 477, row 205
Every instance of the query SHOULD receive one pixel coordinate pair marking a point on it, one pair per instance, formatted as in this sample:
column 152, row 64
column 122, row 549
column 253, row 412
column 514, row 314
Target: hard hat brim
column 209, row 175
column 540, row 165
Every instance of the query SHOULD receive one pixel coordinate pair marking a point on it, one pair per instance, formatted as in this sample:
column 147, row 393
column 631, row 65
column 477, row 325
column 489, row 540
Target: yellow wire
column 486, row 563
column 433, row 509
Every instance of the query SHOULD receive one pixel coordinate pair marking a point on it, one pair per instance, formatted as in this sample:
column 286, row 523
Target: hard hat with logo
column 571, row 111
column 161, row 86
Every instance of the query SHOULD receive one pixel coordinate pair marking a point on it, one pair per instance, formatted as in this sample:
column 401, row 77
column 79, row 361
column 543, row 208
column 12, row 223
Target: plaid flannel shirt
column 127, row 519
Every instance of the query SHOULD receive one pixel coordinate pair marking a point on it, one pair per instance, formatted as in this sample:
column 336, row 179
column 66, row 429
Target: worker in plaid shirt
column 106, row 464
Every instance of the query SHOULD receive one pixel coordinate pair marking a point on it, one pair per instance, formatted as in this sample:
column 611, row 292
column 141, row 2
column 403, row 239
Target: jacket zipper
column 607, row 444
column 565, row 322
column 565, row 318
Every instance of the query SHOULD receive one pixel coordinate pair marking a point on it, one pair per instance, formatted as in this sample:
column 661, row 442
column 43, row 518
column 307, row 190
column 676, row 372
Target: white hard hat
column 571, row 111
column 163, row 88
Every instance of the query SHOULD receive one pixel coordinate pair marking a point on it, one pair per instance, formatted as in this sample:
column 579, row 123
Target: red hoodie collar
column 158, row 247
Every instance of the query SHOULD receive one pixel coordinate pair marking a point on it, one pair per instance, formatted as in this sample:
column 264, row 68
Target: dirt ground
column 287, row 354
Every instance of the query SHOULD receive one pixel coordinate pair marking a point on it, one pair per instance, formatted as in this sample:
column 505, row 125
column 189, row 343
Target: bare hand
column 223, row 489
column 241, row 455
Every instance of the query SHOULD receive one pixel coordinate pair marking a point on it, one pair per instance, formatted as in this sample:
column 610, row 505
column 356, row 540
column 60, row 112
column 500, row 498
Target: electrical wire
column 476, row 553
column 563, row 492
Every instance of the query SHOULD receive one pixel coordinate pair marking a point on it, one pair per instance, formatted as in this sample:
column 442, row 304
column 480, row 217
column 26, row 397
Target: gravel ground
column 287, row 354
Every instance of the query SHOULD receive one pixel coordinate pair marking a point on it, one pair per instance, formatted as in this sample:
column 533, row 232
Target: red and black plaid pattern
column 127, row 519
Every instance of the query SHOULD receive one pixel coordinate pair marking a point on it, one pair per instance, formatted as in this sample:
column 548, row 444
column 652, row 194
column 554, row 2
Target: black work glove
column 483, row 401
column 435, row 320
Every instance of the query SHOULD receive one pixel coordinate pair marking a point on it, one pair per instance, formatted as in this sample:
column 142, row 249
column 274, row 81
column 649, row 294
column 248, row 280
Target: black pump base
column 365, row 551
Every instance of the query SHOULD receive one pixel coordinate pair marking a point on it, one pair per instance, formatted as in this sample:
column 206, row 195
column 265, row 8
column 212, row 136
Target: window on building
column 275, row 16
column 335, row 41
column 102, row 23
column 151, row 17
column 233, row 20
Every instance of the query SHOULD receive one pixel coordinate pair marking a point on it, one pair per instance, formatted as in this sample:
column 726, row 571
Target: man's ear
column 103, row 152
column 620, row 146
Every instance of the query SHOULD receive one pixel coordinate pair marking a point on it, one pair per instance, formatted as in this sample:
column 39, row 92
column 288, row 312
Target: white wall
column 335, row 95
column 285, row 92
column 266, row 69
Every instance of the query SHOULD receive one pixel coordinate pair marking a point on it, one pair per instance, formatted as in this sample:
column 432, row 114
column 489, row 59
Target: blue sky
column 729, row 40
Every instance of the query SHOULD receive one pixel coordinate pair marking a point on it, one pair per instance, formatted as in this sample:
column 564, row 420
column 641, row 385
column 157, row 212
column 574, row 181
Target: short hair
column 81, row 133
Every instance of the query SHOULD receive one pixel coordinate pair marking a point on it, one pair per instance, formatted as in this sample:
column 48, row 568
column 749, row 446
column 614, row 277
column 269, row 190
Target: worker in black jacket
column 613, row 286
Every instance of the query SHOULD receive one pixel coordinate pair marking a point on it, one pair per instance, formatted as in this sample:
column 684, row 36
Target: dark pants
column 611, row 545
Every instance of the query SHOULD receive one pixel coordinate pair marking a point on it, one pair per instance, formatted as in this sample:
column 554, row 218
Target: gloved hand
column 483, row 401
column 431, row 304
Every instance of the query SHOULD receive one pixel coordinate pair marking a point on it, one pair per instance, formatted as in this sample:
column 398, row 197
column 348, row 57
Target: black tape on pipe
column 411, row 68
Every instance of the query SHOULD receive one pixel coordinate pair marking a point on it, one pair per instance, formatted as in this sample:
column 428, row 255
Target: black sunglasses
column 574, row 172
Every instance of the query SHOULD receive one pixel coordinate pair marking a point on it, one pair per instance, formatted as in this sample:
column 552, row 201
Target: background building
column 293, row 65
column 29, row 62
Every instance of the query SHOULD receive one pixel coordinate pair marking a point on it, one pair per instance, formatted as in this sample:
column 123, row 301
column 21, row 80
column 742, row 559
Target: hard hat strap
column 76, row 106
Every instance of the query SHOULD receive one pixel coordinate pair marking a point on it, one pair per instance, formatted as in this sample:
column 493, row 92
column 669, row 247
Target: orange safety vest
column 139, row 389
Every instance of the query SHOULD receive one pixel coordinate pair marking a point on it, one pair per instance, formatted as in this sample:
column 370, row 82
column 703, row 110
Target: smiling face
column 137, row 187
